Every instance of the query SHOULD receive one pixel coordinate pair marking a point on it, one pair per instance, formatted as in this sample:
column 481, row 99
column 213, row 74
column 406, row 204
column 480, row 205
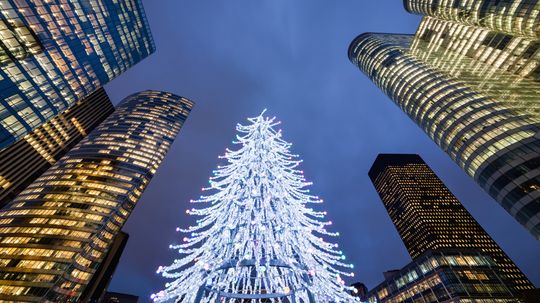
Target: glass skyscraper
column 56, row 233
column 517, row 18
column 470, row 79
column 429, row 217
column 53, row 53
column 24, row 161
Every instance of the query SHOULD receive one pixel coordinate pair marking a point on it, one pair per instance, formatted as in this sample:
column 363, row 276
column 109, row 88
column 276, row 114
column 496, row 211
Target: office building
column 517, row 18
column 54, row 53
column 55, row 234
column 470, row 78
column 445, row 276
column 361, row 291
column 531, row 296
column 429, row 217
column 114, row 297
column 24, row 161
column 96, row 288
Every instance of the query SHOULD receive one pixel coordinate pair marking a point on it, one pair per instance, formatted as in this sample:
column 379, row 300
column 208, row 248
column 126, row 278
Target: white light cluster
column 258, row 213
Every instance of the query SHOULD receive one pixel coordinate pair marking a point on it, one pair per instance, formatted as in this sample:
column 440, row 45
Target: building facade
column 97, row 287
column 469, row 78
column 22, row 162
column 361, row 291
column 429, row 217
column 517, row 18
column 56, row 233
column 114, row 297
column 445, row 276
column 54, row 53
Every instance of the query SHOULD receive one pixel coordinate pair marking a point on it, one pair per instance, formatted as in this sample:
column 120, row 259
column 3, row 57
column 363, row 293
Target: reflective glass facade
column 445, row 276
column 55, row 234
column 474, row 91
column 429, row 217
column 18, row 42
column 99, row 283
column 22, row 162
column 55, row 52
column 515, row 17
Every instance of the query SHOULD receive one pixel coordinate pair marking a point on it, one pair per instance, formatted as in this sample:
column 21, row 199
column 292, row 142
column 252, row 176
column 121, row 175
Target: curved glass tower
column 23, row 162
column 54, row 235
column 474, row 91
column 518, row 18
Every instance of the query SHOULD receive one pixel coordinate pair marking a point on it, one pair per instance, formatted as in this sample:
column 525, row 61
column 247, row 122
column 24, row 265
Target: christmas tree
column 257, row 239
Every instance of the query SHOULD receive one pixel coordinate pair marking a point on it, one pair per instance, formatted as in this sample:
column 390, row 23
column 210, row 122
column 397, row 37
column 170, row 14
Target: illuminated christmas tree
column 257, row 239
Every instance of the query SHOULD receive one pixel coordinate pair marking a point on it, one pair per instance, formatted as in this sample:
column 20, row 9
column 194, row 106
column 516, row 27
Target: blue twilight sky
column 237, row 57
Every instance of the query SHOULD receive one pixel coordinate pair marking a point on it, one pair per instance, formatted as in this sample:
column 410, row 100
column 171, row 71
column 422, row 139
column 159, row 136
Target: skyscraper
column 99, row 283
column 514, row 17
column 361, row 291
column 54, row 53
column 429, row 217
column 470, row 79
column 114, row 297
column 55, row 234
column 22, row 162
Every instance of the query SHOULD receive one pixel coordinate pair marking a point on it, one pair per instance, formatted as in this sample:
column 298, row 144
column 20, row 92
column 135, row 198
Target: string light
column 257, row 216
